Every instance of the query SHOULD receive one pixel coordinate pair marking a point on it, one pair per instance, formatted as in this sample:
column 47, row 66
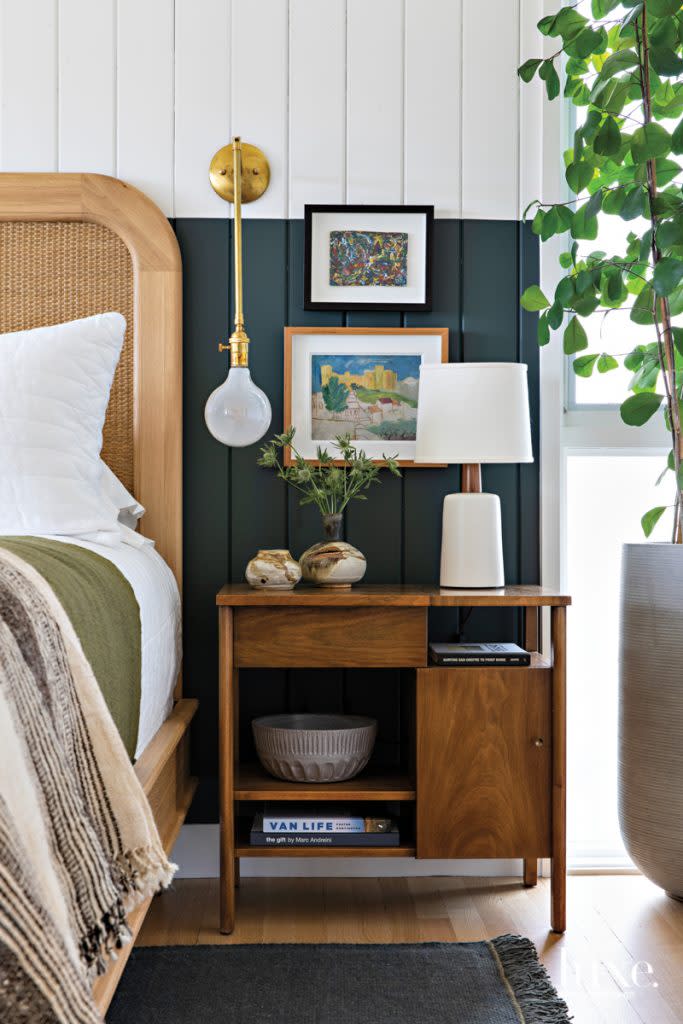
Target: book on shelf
column 390, row 837
column 321, row 820
column 476, row 654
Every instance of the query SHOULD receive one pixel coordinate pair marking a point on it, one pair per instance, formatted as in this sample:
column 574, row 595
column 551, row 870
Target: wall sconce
column 238, row 413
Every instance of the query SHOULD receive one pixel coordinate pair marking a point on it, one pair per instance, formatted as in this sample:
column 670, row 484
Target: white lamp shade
column 473, row 412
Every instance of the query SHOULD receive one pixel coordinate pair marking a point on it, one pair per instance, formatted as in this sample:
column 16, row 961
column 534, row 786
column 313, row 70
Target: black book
column 479, row 654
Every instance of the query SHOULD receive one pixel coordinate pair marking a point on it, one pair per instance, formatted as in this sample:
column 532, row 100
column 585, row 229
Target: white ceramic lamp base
column 472, row 541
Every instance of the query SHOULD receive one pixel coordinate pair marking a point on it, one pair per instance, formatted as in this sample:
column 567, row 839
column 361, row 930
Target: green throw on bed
column 103, row 610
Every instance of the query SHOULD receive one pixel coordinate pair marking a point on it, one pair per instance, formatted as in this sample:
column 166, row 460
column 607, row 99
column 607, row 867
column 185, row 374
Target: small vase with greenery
column 330, row 485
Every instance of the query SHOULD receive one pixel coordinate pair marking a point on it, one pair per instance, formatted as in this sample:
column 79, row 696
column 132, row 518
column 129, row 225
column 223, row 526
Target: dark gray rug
column 498, row 982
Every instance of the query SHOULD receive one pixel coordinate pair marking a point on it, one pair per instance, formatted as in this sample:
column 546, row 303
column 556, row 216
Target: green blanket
column 103, row 610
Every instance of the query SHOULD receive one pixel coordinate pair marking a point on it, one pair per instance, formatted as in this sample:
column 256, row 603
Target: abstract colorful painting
column 367, row 258
column 368, row 397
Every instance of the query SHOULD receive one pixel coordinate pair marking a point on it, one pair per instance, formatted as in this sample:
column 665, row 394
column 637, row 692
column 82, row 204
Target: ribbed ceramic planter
column 651, row 711
column 314, row 748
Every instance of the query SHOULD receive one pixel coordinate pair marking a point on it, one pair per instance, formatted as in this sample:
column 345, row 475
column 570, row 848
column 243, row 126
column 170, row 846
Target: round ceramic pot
column 333, row 562
column 274, row 569
column 314, row 748
column 651, row 711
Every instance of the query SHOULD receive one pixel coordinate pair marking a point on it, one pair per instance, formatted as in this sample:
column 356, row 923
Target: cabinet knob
column 538, row 742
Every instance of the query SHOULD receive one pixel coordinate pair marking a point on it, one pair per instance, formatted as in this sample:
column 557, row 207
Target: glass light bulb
column 238, row 413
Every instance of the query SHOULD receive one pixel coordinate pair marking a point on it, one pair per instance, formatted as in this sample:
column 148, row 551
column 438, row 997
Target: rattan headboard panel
column 53, row 271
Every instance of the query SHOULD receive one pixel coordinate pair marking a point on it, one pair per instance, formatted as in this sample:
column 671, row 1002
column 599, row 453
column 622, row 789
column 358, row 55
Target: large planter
column 651, row 711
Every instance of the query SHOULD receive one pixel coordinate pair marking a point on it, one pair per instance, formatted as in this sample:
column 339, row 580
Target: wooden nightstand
column 489, row 743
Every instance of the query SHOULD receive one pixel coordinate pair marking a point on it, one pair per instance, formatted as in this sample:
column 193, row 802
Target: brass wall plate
column 255, row 173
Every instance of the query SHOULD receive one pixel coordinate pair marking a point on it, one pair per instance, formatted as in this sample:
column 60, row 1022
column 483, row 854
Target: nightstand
column 487, row 775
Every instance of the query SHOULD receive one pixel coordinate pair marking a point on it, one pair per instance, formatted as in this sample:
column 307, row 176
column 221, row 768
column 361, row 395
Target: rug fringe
column 533, row 990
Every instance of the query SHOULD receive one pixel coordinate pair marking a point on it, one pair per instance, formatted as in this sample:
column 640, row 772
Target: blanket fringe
column 530, row 985
column 140, row 874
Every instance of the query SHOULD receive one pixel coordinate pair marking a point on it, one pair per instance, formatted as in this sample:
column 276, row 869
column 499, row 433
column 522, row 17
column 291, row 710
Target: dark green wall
column 232, row 507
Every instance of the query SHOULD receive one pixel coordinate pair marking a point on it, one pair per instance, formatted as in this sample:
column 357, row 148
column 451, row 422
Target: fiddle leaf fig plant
column 624, row 71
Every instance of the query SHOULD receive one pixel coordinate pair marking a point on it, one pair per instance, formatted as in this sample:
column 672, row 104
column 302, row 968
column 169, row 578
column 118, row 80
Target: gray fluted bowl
column 314, row 748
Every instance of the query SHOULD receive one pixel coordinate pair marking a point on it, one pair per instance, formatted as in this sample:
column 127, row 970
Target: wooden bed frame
column 76, row 244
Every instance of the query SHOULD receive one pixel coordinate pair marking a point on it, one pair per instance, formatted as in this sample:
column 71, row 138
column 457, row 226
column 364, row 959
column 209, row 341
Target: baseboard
column 196, row 854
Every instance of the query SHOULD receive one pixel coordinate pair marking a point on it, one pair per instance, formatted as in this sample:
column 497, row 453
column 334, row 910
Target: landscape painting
column 369, row 258
column 369, row 397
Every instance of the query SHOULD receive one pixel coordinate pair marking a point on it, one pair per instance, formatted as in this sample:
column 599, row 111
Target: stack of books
column 312, row 826
column 473, row 655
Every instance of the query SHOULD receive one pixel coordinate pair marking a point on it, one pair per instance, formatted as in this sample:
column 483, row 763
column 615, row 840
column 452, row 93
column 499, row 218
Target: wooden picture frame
column 351, row 346
column 409, row 260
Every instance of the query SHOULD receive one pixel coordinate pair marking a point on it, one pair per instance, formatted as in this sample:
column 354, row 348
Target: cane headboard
column 76, row 244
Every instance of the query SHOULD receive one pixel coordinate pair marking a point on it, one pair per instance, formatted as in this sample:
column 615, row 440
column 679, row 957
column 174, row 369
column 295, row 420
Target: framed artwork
column 359, row 381
column 368, row 257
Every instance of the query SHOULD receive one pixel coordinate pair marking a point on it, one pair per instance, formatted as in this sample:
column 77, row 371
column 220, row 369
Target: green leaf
column 537, row 222
column 550, row 225
column 583, row 365
column 638, row 409
column 669, row 233
column 677, row 138
column 586, row 304
column 555, row 315
column 614, row 200
column 634, row 360
column 578, row 175
column 618, row 61
column 600, row 8
column 650, row 141
column 641, row 311
column 608, row 139
column 594, row 204
column 606, row 362
column 528, row 69
column 533, row 299
column 574, row 337
column 668, row 274
column 565, row 291
column 677, row 333
column 566, row 260
column 543, row 329
column 583, row 226
column 586, row 42
column 633, row 203
column 549, row 75
column 665, row 61
column 651, row 518
column 662, row 8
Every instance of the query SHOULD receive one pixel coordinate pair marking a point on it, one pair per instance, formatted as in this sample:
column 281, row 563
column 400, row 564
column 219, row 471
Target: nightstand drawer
column 366, row 637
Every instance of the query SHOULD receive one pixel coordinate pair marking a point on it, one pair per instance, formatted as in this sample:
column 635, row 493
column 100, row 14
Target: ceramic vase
column 651, row 711
column 333, row 562
column 273, row 569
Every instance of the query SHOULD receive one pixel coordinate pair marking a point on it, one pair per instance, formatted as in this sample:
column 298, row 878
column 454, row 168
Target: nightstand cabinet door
column 484, row 762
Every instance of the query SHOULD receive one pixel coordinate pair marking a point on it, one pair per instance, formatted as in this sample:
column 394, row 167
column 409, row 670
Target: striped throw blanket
column 78, row 843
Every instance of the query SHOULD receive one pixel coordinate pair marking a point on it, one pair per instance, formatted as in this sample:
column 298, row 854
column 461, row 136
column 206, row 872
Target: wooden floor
column 621, row 959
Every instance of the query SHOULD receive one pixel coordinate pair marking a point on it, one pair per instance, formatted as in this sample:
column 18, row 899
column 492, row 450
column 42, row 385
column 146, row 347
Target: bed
column 72, row 245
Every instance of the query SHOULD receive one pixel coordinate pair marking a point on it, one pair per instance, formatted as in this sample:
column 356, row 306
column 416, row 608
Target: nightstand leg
column 558, row 915
column 226, row 768
column 238, row 877
column 530, row 871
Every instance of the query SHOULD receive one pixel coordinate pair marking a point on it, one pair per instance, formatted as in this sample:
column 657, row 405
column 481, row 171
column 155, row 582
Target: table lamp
column 472, row 413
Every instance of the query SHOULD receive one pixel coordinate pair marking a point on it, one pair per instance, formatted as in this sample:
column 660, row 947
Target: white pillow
column 130, row 509
column 54, row 390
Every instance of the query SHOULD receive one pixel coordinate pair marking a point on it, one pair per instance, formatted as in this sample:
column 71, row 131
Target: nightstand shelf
column 486, row 744
column 253, row 783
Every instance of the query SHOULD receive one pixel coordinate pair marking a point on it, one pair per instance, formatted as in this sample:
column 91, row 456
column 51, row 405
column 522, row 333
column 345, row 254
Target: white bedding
column 157, row 595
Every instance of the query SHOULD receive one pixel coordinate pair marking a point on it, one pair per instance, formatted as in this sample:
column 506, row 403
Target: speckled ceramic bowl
column 314, row 748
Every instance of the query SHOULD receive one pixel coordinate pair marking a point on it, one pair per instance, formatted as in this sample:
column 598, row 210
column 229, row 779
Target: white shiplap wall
column 359, row 101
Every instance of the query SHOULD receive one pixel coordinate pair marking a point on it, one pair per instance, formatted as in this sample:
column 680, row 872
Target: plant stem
column 665, row 346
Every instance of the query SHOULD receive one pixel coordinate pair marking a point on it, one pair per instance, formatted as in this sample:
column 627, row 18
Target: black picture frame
column 310, row 212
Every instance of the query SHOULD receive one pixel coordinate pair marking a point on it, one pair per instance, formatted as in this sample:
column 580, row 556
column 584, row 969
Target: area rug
column 497, row 982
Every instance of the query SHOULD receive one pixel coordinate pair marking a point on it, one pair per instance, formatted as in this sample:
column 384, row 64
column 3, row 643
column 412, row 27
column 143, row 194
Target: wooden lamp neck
column 470, row 478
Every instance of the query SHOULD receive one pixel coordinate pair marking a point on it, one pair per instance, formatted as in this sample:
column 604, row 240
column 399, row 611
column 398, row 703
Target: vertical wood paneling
column 490, row 104
column 145, row 44
column 87, row 86
column 260, row 45
column 202, row 102
column 433, row 76
column 28, row 85
column 375, row 57
column 317, row 103
column 531, row 99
